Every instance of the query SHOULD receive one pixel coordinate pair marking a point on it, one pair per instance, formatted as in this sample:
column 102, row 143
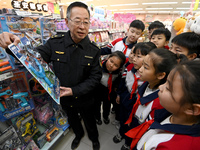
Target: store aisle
column 106, row 133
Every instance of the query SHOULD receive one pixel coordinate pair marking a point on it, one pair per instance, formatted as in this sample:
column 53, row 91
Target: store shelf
column 49, row 144
column 102, row 44
column 97, row 30
column 61, row 30
column 116, row 31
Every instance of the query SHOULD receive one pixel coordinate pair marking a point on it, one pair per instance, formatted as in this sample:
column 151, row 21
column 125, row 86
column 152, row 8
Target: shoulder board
column 57, row 36
column 93, row 43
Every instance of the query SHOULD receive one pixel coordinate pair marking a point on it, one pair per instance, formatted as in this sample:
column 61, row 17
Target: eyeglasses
column 78, row 22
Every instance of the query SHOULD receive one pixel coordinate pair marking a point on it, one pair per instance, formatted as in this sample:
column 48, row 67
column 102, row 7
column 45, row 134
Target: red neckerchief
column 125, row 49
column 137, row 132
column 134, row 86
column 135, row 106
column 109, row 85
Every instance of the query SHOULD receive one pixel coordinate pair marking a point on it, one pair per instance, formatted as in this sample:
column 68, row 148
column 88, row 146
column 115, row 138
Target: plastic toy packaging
column 43, row 113
column 40, row 70
column 9, row 140
column 5, row 63
column 26, row 126
column 31, row 146
column 14, row 96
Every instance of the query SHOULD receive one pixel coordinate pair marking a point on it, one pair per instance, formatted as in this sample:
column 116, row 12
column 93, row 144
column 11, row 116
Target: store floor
column 106, row 133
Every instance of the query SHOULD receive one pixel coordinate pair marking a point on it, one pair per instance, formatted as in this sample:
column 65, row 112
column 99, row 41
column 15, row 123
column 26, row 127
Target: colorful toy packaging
column 37, row 67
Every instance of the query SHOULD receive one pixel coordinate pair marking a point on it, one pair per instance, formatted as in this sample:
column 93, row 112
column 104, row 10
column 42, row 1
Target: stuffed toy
column 195, row 27
column 190, row 20
column 179, row 25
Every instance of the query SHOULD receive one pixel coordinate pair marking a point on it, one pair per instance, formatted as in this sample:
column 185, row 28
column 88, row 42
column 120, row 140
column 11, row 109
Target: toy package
column 26, row 126
column 9, row 140
column 23, row 27
column 40, row 70
column 15, row 98
column 48, row 28
column 6, row 64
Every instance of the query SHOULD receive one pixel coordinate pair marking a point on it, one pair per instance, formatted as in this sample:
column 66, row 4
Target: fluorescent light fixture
column 156, row 8
column 182, row 8
column 125, row 4
column 113, row 9
column 154, row 3
column 102, row 6
column 158, row 12
column 133, row 9
column 137, row 12
column 188, row 2
column 119, row 12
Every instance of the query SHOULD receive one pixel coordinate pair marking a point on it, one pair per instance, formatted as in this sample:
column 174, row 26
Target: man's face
column 78, row 23
column 133, row 34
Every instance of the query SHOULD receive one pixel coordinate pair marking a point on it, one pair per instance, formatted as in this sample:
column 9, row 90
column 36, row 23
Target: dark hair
column 163, row 61
column 164, row 31
column 138, row 24
column 76, row 4
column 189, row 40
column 119, row 55
column 190, row 77
column 144, row 47
column 156, row 24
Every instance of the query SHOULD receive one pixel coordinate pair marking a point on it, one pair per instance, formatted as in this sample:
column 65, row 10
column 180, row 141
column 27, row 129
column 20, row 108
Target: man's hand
column 7, row 39
column 64, row 91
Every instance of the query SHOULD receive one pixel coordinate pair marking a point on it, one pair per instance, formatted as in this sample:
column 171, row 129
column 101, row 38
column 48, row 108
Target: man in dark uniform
column 76, row 64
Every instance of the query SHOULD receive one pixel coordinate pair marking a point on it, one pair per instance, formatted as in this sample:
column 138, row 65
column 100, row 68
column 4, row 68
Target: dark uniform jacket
column 76, row 65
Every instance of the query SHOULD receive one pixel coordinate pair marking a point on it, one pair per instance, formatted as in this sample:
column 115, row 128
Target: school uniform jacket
column 125, row 87
column 169, row 136
column 105, row 77
column 147, row 107
column 118, row 45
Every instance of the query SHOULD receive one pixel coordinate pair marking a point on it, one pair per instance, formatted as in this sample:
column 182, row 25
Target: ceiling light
column 182, row 8
column 159, row 3
column 138, row 12
column 133, row 9
column 113, row 9
column 158, row 12
column 125, row 4
column 156, row 8
column 102, row 6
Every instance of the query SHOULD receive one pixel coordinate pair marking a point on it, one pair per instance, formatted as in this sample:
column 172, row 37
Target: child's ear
column 161, row 75
column 194, row 110
column 192, row 56
column 166, row 43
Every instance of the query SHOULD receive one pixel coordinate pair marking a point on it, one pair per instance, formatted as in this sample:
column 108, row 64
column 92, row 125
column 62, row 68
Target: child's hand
column 64, row 91
column 118, row 99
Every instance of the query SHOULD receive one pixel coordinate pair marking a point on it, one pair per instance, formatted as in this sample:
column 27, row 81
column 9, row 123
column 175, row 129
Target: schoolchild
column 110, row 73
column 187, row 43
column 155, row 69
column 160, row 37
column 180, row 96
column 125, row 45
column 129, row 84
column 153, row 26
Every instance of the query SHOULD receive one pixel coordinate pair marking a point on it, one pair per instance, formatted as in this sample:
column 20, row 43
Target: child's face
column 150, row 32
column 170, row 98
column 131, row 56
column 177, row 49
column 138, row 59
column 113, row 63
column 133, row 34
column 147, row 70
column 159, row 40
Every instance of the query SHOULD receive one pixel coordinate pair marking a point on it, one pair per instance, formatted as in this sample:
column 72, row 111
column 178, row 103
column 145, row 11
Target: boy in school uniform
column 160, row 37
column 188, row 44
column 153, row 26
column 125, row 45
